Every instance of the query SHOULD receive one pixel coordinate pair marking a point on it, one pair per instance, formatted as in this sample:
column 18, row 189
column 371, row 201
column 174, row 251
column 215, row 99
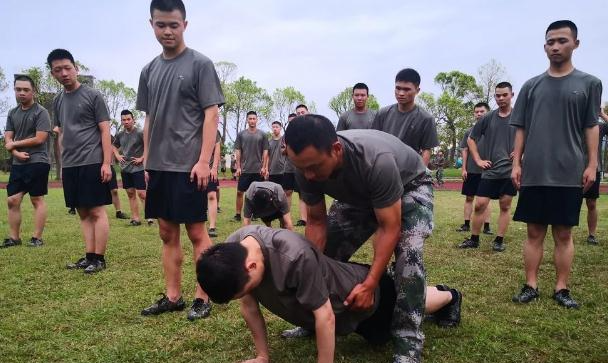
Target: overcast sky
column 318, row 47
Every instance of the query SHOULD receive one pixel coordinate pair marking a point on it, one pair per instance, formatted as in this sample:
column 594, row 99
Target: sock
column 238, row 214
column 100, row 258
column 498, row 239
column 486, row 226
column 90, row 256
column 475, row 238
column 467, row 222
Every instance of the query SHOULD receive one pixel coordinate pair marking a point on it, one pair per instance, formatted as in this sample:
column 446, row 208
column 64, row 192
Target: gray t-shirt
column 499, row 137
column 24, row 124
column 131, row 145
column 350, row 120
column 415, row 128
column 278, row 205
column 299, row 279
column 79, row 113
column 276, row 156
column 554, row 113
column 252, row 146
column 472, row 167
column 375, row 171
column 174, row 93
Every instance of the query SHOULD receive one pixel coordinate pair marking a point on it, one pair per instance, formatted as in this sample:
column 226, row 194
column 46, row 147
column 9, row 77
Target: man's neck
column 504, row 111
column 361, row 110
column 129, row 130
column 560, row 69
column 276, row 137
column 27, row 106
column 252, row 129
column 170, row 53
column 72, row 88
column 406, row 107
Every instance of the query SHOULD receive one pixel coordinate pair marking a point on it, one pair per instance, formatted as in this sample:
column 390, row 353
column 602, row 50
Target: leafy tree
column 225, row 71
column 452, row 108
column 4, row 105
column 245, row 95
column 284, row 101
column 488, row 76
column 118, row 97
column 343, row 102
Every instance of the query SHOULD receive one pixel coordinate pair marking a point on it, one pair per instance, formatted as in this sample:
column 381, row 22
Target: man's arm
column 106, row 145
column 287, row 224
column 518, row 151
column 200, row 171
column 426, row 156
column 264, row 171
column 484, row 164
column 9, row 144
column 39, row 139
column 117, row 155
column 316, row 224
column 216, row 161
column 465, row 157
column 592, row 136
column 385, row 240
column 325, row 329
column 237, row 157
column 250, row 310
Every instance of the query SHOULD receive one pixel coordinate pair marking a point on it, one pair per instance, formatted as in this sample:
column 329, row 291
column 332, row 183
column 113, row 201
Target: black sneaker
column 95, row 266
column 35, row 242
column 498, row 246
column 80, row 264
column 212, row 232
column 72, row 211
column 297, row 332
column 301, row 223
column 219, row 210
column 134, row 223
column 487, row 231
column 236, row 218
column 526, row 294
column 164, row 305
column 9, row 242
column 592, row 240
column 150, row 222
column 564, row 299
column 468, row 243
column 464, row 228
column 199, row 310
column 449, row 315
column 121, row 215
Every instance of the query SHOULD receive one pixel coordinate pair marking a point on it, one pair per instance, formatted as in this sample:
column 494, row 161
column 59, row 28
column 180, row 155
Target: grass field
column 50, row 314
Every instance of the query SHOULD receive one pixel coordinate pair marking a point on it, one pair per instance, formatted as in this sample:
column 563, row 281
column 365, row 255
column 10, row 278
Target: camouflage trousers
column 349, row 227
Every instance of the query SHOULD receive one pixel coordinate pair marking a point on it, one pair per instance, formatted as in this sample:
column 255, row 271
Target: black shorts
column 212, row 186
column 245, row 180
column 469, row 186
column 173, row 197
column 136, row 180
column 113, row 182
column 29, row 178
column 377, row 328
column 289, row 181
column 549, row 205
column 594, row 191
column 495, row 188
column 276, row 178
column 83, row 188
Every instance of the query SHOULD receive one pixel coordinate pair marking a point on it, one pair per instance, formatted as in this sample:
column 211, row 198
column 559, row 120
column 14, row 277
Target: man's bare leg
column 133, row 204
column 172, row 257
column 40, row 215
column 14, row 215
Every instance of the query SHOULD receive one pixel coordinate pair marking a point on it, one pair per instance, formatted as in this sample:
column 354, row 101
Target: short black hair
column 25, row 77
column 126, row 112
column 563, row 24
column 301, row 105
column 310, row 130
column 408, row 75
column 262, row 198
column 252, row 113
column 291, row 115
column 360, row 86
column 482, row 104
column 168, row 6
column 221, row 271
column 504, row 85
column 277, row 123
column 58, row 54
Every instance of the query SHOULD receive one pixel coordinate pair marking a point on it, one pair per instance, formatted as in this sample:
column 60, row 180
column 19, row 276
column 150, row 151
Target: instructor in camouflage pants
column 382, row 188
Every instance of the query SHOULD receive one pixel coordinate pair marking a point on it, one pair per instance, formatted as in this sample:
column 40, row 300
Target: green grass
column 50, row 314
